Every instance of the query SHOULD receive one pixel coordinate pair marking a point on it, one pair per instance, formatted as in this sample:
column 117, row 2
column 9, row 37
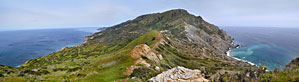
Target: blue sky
column 37, row 14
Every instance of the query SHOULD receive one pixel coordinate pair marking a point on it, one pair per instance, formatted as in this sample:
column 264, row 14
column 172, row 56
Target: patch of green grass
column 148, row 38
column 281, row 76
column 114, row 72
column 173, row 58
column 144, row 73
column 12, row 79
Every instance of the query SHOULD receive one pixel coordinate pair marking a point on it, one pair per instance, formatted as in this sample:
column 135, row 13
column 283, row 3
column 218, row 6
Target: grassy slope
column 105, row 57
column 115, row 72
column 281, row 76
column 108, row 66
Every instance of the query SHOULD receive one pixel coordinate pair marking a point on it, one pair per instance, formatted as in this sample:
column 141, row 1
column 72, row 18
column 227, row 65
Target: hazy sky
column 24, row 14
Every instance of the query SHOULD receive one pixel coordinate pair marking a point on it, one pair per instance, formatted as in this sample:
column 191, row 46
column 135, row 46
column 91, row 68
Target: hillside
column 141, row 49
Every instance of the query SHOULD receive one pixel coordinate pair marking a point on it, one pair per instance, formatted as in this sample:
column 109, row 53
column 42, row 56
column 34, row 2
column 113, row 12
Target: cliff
column 294, row 63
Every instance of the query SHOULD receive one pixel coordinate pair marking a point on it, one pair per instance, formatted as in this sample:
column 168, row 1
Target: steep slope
column 292, row 64
column 140, row 49
column 289, row 74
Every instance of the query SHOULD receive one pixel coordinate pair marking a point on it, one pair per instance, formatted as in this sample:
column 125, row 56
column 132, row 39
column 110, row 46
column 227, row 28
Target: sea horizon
column 33, row 43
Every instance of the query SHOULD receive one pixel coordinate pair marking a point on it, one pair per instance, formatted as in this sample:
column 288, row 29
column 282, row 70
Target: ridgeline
column 147, row 47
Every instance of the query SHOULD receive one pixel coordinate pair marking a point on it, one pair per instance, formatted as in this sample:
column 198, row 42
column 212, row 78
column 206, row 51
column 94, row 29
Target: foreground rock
column 180, row 74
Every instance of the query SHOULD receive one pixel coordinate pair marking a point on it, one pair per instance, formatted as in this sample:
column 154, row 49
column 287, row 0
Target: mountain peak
column 177, row 11
column 170, row 14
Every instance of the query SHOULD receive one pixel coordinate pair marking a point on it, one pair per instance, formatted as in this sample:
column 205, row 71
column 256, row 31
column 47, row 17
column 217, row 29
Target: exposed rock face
column 217, row 42
column 180, row 74
column 145, row 51
column 139, row 51
column 293, row 63
column 204, row 41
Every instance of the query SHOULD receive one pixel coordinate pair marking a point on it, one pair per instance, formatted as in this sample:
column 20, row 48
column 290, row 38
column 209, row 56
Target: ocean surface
column 17, row 47
column 270, row 47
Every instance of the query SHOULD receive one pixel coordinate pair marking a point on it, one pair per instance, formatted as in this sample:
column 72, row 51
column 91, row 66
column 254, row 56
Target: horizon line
column 111, row 26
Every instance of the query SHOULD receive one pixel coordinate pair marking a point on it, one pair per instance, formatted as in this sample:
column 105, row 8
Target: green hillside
column 142, row 48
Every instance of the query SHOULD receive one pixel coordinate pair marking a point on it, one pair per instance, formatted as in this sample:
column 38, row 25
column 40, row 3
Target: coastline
column 67, row 46
column 228, row 53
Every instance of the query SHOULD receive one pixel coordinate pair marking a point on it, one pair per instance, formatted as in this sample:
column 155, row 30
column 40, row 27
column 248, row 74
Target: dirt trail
column 159, row 39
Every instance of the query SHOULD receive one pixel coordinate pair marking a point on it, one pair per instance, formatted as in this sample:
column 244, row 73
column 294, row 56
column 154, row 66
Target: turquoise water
column 17, row 47
column 270, row 47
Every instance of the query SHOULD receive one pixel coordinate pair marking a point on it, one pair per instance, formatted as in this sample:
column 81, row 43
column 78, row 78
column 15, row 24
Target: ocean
column 17, row 47
column 266, row 46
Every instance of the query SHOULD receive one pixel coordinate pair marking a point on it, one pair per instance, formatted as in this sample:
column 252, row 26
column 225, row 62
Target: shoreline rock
column 293, row 63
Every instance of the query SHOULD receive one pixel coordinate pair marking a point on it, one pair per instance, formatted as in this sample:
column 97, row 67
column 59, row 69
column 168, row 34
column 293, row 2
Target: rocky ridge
column 292, row 64
column 180, row 74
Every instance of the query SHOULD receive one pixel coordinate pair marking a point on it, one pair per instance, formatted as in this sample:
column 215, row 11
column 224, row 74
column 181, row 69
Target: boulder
column 180, row 74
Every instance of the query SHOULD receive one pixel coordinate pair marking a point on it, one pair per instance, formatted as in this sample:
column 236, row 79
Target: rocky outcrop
column 293, row 63
column 217, row 41
column 140, row 51
column 180, row 74
column 143, row 50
